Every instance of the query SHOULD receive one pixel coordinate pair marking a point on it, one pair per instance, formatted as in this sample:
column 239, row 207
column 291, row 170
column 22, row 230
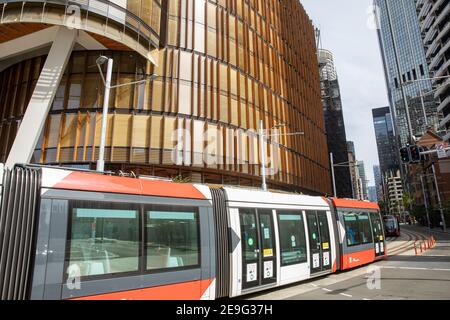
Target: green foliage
column 384, row 208
column 408, row 200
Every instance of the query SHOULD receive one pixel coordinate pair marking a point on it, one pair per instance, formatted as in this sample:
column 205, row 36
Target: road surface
column 403, row 275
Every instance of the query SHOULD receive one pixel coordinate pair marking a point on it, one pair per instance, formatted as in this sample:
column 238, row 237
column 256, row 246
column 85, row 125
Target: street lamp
column 107, row 83
column 261, row 148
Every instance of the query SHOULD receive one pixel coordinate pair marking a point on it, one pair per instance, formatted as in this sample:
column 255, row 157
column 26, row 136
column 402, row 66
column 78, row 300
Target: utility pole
column 107, row 82
column 425, row 199
column 262, row 151
column 332, row 174
column 101, row 152
column 441, row 209
column 262, row 155
column 423, row 109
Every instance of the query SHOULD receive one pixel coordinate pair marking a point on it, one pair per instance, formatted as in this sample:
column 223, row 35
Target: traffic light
column 414, row 151
column 404, row 154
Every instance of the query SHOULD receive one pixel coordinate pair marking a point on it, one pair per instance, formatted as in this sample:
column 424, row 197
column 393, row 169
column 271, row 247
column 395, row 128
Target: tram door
column 377, row 231
column 258, row 247
column 319, row 241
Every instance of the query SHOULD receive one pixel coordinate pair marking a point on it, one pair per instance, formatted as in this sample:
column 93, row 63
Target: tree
column 384, row 207
column 408, row 201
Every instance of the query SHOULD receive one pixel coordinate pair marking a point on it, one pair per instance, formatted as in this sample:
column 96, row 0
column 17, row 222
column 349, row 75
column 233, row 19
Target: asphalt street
column 403, row 275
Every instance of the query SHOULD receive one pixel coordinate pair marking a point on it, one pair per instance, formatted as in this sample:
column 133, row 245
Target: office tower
column 364, row 181
column 334, row 123
column 378, row 182
column 394, row 192
column 357, row 187
column 211, row 69
column 434, row 18
column 413, row 106
column 385, row 137
column 372, row 194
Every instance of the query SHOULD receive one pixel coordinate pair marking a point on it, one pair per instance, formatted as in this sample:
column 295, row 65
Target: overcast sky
column 345, row 31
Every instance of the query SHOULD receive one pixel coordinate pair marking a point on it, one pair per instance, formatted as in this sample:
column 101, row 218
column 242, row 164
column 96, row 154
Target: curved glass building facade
column 221, row 68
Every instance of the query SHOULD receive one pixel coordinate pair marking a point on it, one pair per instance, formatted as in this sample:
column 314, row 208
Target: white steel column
column 42, row 98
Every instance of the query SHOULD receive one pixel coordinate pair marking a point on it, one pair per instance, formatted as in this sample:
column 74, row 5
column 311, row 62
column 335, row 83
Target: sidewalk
column 436, row 231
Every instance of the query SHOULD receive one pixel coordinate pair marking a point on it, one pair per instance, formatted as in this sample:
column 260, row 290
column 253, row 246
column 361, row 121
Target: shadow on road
column 427, row 258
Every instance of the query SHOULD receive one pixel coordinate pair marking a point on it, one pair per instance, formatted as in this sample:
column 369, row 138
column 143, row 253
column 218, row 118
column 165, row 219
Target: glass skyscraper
column 334, row 122
column 384, row 133
column 378, row 182
column 405, row 68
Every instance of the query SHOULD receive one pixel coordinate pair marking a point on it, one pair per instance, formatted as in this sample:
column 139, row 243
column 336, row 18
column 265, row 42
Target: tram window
column 103, row 240
column 292, row 238
column 365, row 229
column 357, row 228
column 172, row 237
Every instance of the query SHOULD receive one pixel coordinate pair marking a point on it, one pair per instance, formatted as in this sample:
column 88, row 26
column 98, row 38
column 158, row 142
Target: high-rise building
column 412, row 102
column 357, row 185
column 394, row 192
column 364, row 181
column 384, row 133
column 434, row 17
column 378, row 182
column 334, row 123
column 372, row 193
column 214, row 70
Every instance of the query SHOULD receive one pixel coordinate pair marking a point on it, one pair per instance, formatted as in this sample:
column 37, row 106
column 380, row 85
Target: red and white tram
column 80, row 235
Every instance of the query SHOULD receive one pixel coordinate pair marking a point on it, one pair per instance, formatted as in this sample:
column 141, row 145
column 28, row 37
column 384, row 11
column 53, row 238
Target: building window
column 172, row 237
column 292, row 238
column 422, row 71
column 103, row 239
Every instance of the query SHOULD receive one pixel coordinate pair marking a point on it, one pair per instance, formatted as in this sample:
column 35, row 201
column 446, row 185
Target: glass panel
column 314, row 241
column 357, row 228
column 292, row 238
column 268, row 243
column 74, row 92
column 351, row 227
column 324, row 230
column 103, row 240
column 172, row 237
column 365, row 229
column 249, row 235
column 69, row 134
column 91, row 91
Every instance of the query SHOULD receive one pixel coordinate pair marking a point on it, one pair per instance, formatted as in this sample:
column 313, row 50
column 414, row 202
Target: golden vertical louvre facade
column 222, row 67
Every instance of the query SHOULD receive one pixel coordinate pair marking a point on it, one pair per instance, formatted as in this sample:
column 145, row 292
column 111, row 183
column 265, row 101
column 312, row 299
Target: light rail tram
column 69, row 234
